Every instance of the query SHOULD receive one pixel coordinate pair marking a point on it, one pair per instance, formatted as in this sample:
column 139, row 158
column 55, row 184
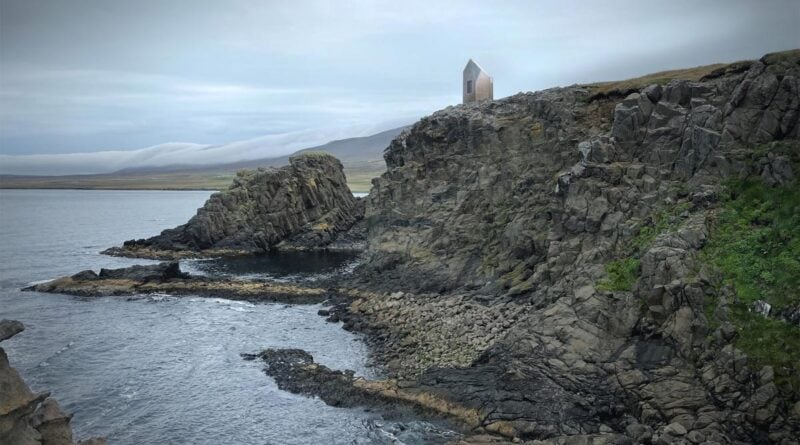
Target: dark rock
column 85, row 275
column 155, row 272
column 10, row 328
column 305, row 205
column 489, row 238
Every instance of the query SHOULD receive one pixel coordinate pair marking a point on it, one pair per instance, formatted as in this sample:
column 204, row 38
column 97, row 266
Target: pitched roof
column 476, row 65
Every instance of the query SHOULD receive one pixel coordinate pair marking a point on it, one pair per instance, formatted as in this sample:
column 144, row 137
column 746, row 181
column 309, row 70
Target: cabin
column 478, row 84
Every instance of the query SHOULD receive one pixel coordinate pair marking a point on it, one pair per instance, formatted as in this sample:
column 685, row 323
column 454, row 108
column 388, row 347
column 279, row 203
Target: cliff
column 28, row 418
column 305, row 205
column 551, row 252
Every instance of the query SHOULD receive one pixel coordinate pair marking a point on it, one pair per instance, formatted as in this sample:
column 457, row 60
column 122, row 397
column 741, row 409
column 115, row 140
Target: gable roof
column 475, row 64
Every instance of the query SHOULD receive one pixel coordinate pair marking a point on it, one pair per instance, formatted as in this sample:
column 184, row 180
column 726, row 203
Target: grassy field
column 359, row 181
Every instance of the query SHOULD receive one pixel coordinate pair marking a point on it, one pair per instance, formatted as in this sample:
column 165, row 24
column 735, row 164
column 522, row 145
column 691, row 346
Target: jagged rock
column 761, row 307
column 498, row 222
column 156, row 272
column 305, row 205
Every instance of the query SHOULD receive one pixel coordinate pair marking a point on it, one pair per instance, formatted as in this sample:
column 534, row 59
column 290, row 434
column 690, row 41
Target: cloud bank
column 175, row 153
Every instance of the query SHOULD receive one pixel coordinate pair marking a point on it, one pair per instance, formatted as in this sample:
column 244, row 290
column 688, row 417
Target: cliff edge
column 544, row 259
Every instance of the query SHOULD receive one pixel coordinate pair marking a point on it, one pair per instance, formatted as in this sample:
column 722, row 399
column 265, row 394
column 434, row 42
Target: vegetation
column 622, row 275
column 358, row 180
column 756, row 245
column 621, row 87
column 663, row 220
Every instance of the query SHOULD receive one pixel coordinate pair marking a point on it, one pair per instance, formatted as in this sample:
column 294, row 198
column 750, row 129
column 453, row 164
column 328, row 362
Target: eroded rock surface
column 305, row 205
column 28, row 418
column 496, row 223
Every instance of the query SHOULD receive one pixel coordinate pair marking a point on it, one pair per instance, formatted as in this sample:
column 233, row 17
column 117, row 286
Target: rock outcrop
column 28, row 418
column 305, row 205
column 504, row 222
column 167, row 278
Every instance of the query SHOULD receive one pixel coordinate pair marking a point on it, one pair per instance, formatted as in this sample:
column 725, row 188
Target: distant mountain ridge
column 357, row 152
column 362, row 158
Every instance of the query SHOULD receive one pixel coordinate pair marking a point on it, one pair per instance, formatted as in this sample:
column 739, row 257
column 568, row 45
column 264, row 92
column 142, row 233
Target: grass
column 358, row 180
column 622, row 87
column 756, row 242
column 756, row 246
column 622, row 275
column 663, row 220
column 627, row 86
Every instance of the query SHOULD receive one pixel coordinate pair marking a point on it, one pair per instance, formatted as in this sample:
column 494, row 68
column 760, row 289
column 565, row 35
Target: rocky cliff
column 28, row 418
column 305, row 205
column 550, row 247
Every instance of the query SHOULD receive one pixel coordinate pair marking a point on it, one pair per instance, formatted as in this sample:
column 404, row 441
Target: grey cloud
column 93, row 75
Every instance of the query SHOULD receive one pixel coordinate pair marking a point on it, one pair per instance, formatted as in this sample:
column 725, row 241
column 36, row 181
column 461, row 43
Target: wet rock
column 167, row 278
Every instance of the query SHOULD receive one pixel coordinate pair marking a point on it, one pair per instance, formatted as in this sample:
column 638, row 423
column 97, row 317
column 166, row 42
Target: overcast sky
column 92, row 75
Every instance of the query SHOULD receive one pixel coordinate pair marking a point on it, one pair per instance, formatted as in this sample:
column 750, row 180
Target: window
column 469, row 87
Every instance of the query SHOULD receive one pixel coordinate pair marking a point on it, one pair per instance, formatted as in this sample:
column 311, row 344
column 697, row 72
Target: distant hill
column 361, row 153
column 362, row 158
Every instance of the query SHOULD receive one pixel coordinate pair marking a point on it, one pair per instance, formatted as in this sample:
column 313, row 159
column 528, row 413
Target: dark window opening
column 469, row 87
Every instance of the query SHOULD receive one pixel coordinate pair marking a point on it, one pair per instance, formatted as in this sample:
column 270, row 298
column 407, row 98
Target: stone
column 28, row 418
column 305, row 205
column 10, row 328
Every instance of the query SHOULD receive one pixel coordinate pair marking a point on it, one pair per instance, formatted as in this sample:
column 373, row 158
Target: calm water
column 159, row 369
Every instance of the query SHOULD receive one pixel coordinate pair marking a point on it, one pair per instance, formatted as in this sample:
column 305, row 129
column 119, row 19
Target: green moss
column 755, row 243
column 663, row 220
column 622, row 275
column 771, row 342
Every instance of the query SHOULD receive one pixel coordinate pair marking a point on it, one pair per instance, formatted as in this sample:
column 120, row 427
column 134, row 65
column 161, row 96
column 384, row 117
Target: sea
column 159, row 369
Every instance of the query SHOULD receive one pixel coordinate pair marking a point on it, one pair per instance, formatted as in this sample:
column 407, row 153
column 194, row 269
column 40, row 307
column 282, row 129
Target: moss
column 663, row 220
column 622, row 275
column 755, row 244
column 771, row 342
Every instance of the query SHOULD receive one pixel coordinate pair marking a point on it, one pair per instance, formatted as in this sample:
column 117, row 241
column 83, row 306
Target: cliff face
column 490, row 196
column 553, row 240
column 28, row 418
column 304, row 205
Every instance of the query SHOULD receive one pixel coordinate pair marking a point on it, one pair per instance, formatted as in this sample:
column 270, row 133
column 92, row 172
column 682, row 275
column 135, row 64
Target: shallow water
column 160, row 369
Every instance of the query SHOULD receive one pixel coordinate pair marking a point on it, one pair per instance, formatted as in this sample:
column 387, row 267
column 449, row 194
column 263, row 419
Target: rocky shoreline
column 28, row 418
column 167, row 278
column 535, row 267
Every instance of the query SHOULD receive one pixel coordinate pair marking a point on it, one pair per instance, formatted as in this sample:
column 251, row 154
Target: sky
column 82, row 76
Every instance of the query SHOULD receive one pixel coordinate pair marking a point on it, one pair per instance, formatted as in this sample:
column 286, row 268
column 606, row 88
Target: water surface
column 160, row 369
